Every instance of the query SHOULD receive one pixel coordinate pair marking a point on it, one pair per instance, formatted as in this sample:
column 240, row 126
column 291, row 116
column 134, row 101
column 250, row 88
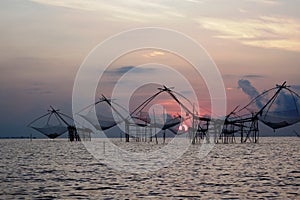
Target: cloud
column 266, row 2
column 275, row 32
column 251, row 91
column 285, row 103
column 154, row 54
column 195, row 1
column 249, row 76
column 38, row 88
column 241, row 10
column 121, row 10
column 230, row 88
column 124, row 69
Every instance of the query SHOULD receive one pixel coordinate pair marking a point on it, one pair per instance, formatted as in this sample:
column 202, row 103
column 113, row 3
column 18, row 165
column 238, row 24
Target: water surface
column 46, row 169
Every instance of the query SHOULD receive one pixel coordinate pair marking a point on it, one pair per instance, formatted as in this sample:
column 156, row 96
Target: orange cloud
column 230, row 88
column 154, row 54
column 266, row 32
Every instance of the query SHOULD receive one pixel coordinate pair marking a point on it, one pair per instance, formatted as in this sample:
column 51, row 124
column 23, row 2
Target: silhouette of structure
column 55, row 125
column 277, row 108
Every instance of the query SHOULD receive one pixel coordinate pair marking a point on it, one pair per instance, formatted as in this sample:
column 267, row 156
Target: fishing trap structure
column 55, row 123
column 277, row 108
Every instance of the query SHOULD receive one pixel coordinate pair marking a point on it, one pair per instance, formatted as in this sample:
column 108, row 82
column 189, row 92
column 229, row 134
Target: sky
column 44, row 42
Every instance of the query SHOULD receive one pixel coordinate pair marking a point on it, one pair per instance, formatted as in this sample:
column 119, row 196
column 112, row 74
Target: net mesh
column 172, row 122
column 277, row 108
column 101, row 123
column 282, row 119
column 105, row 116
column 52, row 124
column 52, row 131
column 142, row 119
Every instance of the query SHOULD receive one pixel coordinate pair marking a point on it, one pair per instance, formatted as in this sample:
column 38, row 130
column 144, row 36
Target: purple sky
column 43, row 43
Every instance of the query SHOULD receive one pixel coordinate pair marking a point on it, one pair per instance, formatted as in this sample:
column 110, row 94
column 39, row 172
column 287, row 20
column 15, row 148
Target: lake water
column 47, row 169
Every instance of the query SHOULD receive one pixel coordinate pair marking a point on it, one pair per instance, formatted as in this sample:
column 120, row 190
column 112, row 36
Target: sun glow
column 183, row 127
